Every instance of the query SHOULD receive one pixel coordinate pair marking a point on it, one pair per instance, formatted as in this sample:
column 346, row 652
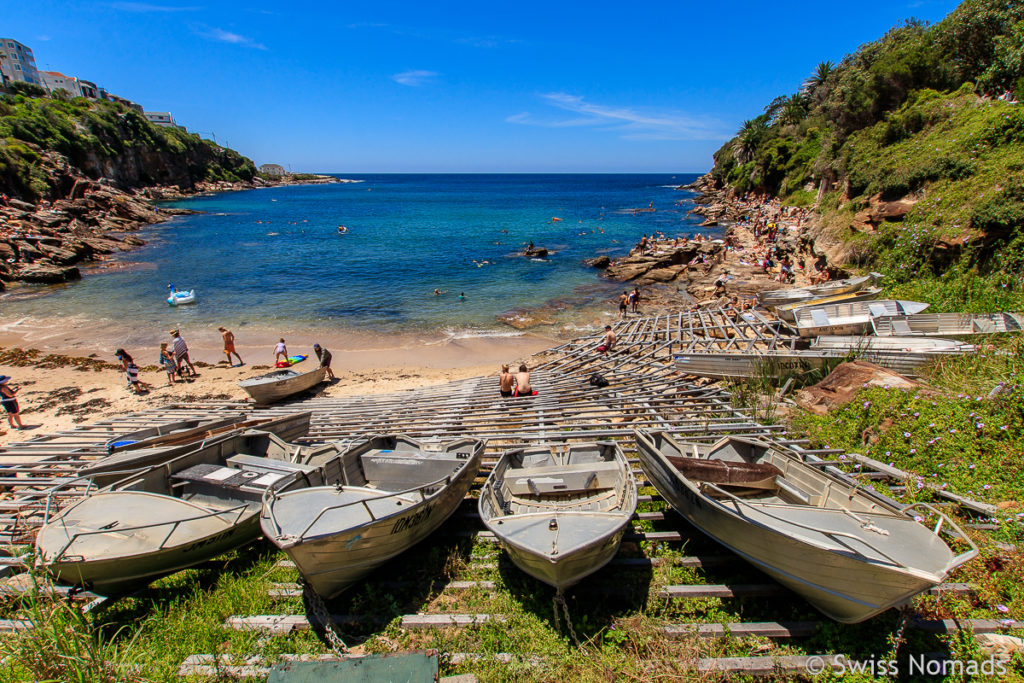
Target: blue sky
column 455, row 86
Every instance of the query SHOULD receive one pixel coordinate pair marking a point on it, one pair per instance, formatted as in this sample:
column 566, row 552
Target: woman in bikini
column 9, row 402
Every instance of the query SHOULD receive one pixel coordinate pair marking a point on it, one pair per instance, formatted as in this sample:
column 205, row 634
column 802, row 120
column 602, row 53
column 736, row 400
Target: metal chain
column 898, row 639
column 559, row 599
column 316, row 604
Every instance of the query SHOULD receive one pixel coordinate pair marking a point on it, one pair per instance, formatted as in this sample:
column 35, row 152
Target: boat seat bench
column 400, row 471
column 563, row 479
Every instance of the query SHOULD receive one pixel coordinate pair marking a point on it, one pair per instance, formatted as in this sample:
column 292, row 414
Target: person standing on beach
column 623, row 304
column 167, row 362
column 131, row 370
column 181, row 354
column 324, row 356
column 280, row 352
column 229, row 345
column 506, row 382
column 9, row 402
column 523, row 387
column 634, row 299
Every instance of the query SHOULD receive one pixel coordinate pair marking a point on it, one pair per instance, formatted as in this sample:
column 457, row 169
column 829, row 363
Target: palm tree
column 819, row 77
column 749, row 136
column 795, row 110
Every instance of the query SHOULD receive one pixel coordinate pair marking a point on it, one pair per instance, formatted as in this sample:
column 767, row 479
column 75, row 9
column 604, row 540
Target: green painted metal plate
column 401, row 667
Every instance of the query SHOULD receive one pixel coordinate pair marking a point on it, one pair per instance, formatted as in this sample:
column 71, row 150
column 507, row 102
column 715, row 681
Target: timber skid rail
column 645, row 390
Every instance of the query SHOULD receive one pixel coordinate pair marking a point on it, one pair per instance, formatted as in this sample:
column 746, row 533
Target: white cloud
column 415, row 78
column 229, row 37
column 630, row 123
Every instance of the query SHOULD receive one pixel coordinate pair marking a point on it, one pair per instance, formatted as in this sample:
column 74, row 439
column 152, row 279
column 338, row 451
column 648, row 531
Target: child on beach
column 280, row 352
column 167, row 362
column 181, row 354
column 9, row 402
column 131, row 370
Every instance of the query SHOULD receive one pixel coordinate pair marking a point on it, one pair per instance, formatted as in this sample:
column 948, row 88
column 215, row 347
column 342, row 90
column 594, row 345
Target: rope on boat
column 315, row 604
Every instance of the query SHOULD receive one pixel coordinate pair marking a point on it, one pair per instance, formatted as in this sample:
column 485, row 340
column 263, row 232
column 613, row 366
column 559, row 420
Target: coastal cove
column 273, row 259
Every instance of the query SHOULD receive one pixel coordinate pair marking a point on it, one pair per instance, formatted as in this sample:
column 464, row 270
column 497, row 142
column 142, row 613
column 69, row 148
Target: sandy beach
column 72, row 376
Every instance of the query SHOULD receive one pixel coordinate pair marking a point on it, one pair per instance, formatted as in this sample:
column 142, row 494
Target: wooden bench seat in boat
column 401, row 470
column 587, row 476
column 248, row 477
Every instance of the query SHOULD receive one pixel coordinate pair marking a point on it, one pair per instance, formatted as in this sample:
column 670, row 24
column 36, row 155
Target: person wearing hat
column 325, row 359
column 10, row 404
column 181, row 353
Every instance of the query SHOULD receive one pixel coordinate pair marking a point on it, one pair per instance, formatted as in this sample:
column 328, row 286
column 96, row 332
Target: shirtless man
column 623, row 304
column 523, row 387
column 506, row 381
column 229, row 344
column 609, row 340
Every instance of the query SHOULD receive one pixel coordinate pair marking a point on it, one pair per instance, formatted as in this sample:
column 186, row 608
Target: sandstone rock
column 6, row 251
column 999, row 646
column 661, row 274
column 843, row 383
column 600, row 262
column 39, row 273
column 133, row 241
column 18, row 204
column 58, row 255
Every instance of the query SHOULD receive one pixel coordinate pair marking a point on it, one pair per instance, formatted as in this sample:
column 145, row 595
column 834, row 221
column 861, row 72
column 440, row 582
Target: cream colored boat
column 788, row 311
column 850, row 553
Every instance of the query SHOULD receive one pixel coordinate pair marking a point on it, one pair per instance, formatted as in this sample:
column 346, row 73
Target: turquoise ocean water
column 274, row 256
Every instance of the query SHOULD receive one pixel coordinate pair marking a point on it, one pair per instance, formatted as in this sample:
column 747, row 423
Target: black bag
column 598, row 380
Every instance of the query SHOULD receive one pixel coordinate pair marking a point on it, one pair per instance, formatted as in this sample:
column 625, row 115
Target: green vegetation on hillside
column 914, row 115
column 102, row 138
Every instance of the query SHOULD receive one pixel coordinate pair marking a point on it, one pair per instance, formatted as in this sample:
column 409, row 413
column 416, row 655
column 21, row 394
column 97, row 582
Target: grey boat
column 779, row 297
column 155, row 449
column 727, row 365
column 907, row 344
column 280, row 384
column 170, row 516
column 849, row 318
column 394, row 491
column 851, row 553
column 947, row 324
column 787, row 312
column 560, row 512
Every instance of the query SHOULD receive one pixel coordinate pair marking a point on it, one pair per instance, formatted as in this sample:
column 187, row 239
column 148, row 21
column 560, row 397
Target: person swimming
column 462, row 296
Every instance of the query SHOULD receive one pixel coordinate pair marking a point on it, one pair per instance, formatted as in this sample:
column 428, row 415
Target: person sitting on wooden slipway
column 609, row 340
column 523, row 387
column 506, row 382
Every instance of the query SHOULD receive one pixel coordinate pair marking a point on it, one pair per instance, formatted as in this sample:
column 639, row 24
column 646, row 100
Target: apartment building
column 76, row 87
column 17, row 63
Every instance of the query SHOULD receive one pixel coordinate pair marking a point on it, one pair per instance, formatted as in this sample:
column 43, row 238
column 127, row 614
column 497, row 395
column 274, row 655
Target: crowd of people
column 771, row 225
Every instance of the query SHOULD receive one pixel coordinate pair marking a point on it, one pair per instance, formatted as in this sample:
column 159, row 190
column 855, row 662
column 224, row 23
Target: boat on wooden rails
column 781, row 297
column 787, row 312
column 850, row 552
column 281, row 384
column 394, row 491
column 947, row 324
column 560, row 511
column 131, row 451
column 161, row 519
column 849, row 317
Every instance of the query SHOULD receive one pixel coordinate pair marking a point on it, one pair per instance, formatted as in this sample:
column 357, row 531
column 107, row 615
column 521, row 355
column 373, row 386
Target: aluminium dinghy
column 850, row 552
column 394, row 492
column 849, row 317
column 173, row 515
column 560, row 512
column 280, row 384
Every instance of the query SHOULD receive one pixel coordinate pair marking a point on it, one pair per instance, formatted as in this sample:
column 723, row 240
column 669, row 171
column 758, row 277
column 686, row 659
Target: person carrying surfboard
column 281, row 352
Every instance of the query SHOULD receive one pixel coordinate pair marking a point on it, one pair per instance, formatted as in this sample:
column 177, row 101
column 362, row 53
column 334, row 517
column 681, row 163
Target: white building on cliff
column 17, row 63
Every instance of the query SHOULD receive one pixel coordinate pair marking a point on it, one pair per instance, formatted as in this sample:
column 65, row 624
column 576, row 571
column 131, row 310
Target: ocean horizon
column 273, row 257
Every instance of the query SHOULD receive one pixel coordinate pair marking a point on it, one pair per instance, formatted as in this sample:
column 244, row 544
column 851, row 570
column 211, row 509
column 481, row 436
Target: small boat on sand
column 849, row 318
column 560, row 512
column 907, row 344
column 176, row 514
column 850, row 552
column 280, row 384
column 392, row 492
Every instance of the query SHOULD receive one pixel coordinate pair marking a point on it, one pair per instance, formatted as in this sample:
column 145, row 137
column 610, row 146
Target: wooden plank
column 736, row 590
column 767, row 666
column 766, row 629
column 427, row 621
